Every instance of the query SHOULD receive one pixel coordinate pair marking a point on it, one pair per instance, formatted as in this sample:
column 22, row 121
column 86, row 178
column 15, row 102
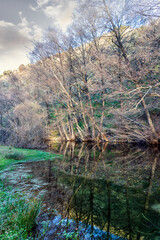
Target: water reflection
column 114, row 188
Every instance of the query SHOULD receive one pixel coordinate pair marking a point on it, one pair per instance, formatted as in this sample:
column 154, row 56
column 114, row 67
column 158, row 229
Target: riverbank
column 86, row 186
column 18, row 214
column 10, row 155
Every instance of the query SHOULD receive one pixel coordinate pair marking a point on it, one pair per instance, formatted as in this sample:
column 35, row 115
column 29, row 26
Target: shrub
column 15, row 156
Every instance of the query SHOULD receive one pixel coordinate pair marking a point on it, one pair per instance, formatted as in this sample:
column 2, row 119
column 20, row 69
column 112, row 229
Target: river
column 112, row 189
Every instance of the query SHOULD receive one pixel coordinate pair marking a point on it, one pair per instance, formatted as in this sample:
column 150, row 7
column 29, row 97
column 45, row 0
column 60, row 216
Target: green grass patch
column 17, row 215
column 15, row 156
column 10, row 155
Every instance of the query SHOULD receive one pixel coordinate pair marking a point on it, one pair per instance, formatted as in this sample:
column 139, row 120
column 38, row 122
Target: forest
column 80, row 124
column 96, row 82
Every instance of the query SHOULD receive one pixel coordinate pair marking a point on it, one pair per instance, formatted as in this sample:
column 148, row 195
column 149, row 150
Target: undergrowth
column 17, row 215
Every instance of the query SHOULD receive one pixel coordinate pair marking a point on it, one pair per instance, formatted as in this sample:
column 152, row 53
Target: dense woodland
column 98, row 81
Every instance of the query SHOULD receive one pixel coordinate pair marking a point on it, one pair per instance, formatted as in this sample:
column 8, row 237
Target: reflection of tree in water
column 112, row 188
column 120, row 199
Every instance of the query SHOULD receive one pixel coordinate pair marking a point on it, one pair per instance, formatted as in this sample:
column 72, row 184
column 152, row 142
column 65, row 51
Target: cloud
column 6, row 24
column 40, row 4
column 13, row 59
column 15, row 41
column 11, row 37
column 24, row 27
column 58, row 10
column 15, row 36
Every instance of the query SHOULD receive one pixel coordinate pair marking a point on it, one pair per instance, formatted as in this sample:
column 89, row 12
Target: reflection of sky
column 85, row 232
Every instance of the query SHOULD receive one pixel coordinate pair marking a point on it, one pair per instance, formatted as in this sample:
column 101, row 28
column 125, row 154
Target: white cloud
column 33, row 8
column 58, row 10
column 37, row 33
column 41, row 3
column 11, row 60
column 15, row 41
column 51, row 11
column 6, row 24
column 24, row 27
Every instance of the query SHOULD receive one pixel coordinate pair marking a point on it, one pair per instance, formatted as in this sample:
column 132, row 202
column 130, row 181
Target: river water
column 115, row 189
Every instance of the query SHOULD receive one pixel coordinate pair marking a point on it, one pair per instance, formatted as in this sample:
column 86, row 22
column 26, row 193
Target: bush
column 15, row 156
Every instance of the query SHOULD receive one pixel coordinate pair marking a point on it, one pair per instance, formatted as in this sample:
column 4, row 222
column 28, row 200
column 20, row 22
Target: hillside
column 98, row 89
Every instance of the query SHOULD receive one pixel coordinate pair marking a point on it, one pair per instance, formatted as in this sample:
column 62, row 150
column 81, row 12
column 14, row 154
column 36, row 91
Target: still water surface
column 114, row 188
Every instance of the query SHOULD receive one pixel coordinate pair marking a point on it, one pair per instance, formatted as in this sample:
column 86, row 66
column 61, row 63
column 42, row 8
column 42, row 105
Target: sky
column 22, row 21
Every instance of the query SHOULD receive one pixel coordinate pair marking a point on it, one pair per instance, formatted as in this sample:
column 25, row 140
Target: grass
column 10, row 156
column 17, row 214
column 15, row 156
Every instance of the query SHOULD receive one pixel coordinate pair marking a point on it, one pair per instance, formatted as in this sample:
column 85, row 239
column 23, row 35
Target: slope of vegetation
column 98, row 81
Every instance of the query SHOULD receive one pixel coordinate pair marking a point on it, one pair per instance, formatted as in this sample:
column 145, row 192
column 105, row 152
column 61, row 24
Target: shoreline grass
column 11, row 155
column 17, row 213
